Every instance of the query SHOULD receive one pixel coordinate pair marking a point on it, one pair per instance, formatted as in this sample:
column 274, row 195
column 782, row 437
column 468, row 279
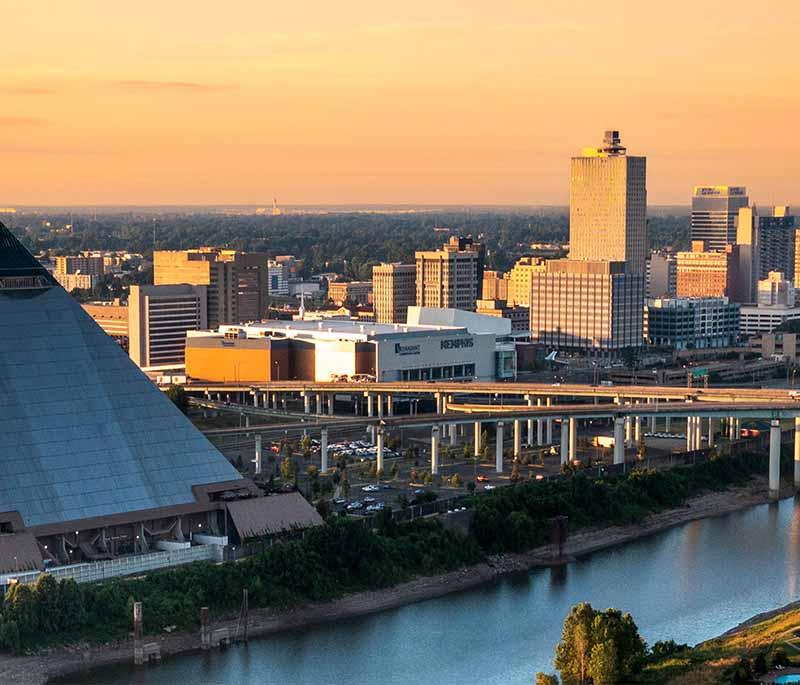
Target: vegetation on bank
column 517, row 518
column 346, row 556
column 603, row 648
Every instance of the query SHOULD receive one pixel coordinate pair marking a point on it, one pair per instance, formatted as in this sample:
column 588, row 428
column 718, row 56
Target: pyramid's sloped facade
column 83, row 432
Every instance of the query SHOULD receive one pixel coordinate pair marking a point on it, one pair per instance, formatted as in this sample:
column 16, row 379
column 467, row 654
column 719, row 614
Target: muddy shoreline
column 40, row 668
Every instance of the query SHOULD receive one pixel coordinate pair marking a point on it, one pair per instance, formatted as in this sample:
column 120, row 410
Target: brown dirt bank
column 63, row 661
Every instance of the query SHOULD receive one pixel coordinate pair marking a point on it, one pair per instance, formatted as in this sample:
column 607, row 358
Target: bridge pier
column 498, row 452
column 323, row 449
column 477, row 447
column 774, row 458
column 435, row 450
column 564, row 452
column 318, row 402
column 257, row 460
column 453, row 434
column 539, row 426
column 530, row 422
column 667, row 427
column 379, row 399
column 653, row 423
column 573, row 438
column 370, row 406
column 379, row 462
column 710, row 442
column 517, row 438
column 628, row 431
column 637, row 429
column 331, row 400
column 390, row 405
column 797, row 452
column 550, row 423
column 306, row 403
column 619, row 440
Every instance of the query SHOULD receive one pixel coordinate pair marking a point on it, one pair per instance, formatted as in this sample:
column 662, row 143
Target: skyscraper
column 608, row 205
column 714, row 213
column 766, row 240
column 237, row 281
column 394, row 291
column 451, row 277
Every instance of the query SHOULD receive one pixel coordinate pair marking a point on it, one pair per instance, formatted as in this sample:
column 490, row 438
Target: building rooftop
column 333, row 329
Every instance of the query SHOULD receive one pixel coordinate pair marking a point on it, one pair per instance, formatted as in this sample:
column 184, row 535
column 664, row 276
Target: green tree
column 455, row 481
column 515, row 472
column 598, row 647
column 178, row 397
column 288, row 469
column 546, row 679
column 394, row 471
column 305, row 446
column 345, row 484
column 466, row 452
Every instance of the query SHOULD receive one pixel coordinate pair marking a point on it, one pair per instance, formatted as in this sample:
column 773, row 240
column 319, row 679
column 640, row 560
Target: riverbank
column 37, row 669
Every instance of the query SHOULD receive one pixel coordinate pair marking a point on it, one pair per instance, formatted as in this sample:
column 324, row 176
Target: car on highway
column 482, row 479
column 489, row 486
column 375, row 507
column 355, row 506
column 369, row 500
column 371, row 488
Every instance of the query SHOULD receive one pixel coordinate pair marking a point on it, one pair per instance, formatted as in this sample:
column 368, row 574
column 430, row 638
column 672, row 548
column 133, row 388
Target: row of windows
column 436, row 373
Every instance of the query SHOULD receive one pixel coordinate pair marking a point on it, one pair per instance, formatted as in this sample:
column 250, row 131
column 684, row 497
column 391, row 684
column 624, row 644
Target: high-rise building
column 592, row 306
column 519, row 281
column 451, row 277
column 236, row 281
column 766, row 240
column 277, row 278
column 394, row 291
column 495, row 285
column 714, row 213
column 704, row 273
column 159, row 317
column 608, row 205
column 662, row 275
column 83, row 264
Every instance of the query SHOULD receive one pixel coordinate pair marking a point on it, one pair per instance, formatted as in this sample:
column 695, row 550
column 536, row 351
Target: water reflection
column 688, row 583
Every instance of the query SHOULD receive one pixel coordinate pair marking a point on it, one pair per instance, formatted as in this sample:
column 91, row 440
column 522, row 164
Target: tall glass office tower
column 714, row 213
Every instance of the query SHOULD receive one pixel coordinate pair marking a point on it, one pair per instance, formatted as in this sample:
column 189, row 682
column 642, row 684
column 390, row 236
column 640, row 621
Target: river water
column 688, row 583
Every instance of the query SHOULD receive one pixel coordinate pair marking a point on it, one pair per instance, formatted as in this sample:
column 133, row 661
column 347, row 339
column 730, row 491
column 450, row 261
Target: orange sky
column 415, row 102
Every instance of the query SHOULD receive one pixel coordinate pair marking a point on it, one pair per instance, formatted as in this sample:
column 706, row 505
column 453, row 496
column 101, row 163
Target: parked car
column 482, row 479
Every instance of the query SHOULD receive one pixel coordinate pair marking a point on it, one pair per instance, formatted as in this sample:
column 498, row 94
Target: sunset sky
column 412, row 102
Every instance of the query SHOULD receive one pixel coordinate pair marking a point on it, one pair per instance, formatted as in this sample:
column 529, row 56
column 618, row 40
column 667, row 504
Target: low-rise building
column 322, row 350
column 696, row 323
column 780, row 345
column 112, row 317
column 755, row 320
column 76, row 281
column 520, row 317
column 702, row 273
column 353, row 292
column 776, row 290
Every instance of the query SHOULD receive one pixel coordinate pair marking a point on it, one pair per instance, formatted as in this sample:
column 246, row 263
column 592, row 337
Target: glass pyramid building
column 86, row 439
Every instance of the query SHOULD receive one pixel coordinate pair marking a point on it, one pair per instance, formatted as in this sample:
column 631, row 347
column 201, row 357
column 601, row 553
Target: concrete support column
column 628, row 431
column 667, row 424
column 257, row 460
column 379, row 462
column 539, row 425
column 653, row 423
column 370, row 406
column 435, row 450
column 477, row 449
column 774, row 458
column 710, row 442
column 390, row 405
column 797, row 452
column 530, row 423
column 318, row 398
column 323, row 449
column 306, row 403
column 689, row 433
column 564, row 451
column 498, row 452
column 550, row 423
column 452, row 432
column 637, row 429
column 380, row 405
column 573, row 438
column 619, row 440
column 331, row 400
column 517, row 438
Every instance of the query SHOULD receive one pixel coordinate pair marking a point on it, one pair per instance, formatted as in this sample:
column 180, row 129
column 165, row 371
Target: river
column 689, row 583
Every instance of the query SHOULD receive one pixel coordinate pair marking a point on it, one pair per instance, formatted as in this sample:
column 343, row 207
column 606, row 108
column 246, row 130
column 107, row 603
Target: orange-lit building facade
column 701, row 273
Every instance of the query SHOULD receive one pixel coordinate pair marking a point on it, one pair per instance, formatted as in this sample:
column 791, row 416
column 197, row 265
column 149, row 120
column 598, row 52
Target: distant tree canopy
column 346, row 243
